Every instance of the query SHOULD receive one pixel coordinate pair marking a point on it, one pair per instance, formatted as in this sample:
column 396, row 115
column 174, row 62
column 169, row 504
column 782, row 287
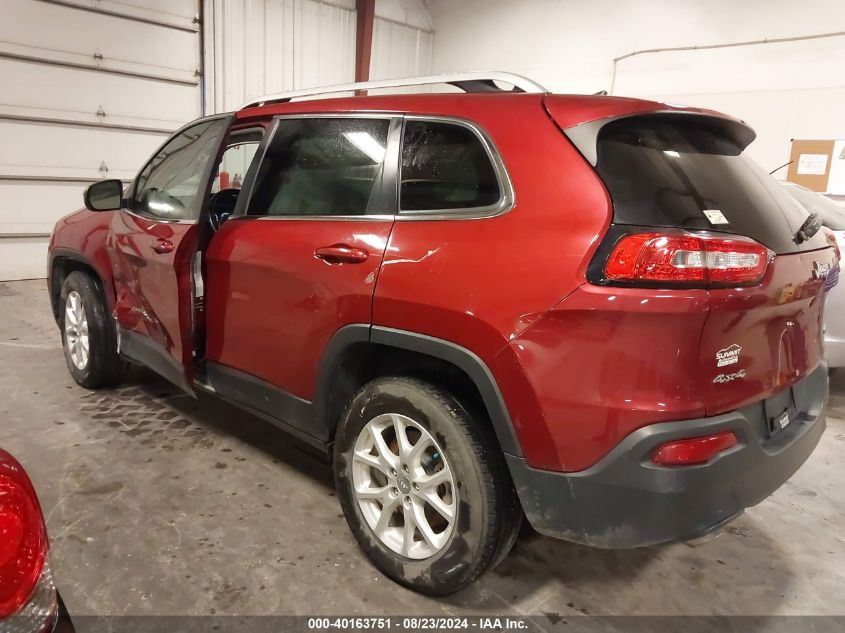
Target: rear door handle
column 342, row 254
column 162, row 246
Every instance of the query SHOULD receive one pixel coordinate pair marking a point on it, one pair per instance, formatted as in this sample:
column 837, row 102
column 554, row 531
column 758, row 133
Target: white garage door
column 89, row 89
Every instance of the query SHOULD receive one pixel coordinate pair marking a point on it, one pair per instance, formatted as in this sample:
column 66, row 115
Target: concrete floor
column 160, row 504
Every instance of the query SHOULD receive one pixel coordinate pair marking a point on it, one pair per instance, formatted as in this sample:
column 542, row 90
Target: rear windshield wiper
column 810, row 227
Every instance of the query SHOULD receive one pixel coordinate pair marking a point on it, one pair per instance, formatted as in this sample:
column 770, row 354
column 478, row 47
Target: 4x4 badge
column 728, row 356
column 729, row 377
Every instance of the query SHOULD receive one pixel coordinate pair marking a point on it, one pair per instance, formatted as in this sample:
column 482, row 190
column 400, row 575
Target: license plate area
column 780, row 411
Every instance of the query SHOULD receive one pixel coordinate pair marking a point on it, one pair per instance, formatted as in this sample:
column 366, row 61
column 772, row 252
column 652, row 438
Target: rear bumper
column 834, row 338
column 834, row 352
column 627, row 501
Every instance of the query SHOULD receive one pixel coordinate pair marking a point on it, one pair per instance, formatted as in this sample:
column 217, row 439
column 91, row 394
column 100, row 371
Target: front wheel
column 423, row 486
column 89, row 338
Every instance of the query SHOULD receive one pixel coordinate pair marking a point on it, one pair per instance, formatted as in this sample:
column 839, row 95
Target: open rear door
column 153, row 243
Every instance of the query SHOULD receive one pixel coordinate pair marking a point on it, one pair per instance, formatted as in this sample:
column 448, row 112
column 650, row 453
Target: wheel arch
column 359, row 353
column 62, row 263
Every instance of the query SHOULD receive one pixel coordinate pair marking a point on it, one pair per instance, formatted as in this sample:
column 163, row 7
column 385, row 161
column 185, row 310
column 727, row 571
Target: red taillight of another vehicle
column 23, row 547
column 694, row 450
column 678, row 258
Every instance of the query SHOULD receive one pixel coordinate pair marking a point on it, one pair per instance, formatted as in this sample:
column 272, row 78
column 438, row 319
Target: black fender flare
column 441, row 349
column 73, row 255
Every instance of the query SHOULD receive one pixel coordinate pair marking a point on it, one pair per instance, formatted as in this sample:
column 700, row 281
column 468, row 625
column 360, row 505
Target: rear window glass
column 832, row 215
column 690, row 172
column 445, row 166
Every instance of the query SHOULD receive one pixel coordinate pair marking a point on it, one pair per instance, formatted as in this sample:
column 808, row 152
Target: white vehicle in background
column 832, row 217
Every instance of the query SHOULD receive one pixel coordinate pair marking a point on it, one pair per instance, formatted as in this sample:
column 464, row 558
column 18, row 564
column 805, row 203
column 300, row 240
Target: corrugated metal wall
column 400, row 50
column 257, row 47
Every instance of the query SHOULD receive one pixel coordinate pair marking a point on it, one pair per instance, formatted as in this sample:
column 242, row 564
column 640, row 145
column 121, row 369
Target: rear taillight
column 695, row 450
column 678, row 258
column 26, row 586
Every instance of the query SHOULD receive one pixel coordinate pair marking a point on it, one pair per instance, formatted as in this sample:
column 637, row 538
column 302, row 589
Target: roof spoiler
column 585, row 135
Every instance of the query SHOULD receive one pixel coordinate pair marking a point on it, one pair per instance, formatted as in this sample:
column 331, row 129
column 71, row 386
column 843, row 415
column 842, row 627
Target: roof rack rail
column 482, row 81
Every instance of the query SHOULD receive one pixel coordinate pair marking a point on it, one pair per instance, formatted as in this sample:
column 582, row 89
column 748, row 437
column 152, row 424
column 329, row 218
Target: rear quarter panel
column 607, row 361
column 479, row 283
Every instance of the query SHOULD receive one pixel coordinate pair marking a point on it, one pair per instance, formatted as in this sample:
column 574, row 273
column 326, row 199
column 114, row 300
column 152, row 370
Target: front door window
column 322, row 166
column 168, row 187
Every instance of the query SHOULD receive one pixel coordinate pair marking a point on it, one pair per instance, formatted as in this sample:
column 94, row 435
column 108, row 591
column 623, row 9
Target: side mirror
column 106, row 195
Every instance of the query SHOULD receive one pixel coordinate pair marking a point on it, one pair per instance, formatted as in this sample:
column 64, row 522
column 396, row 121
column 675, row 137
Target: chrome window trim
column 320, row 218
column 507, row 199
column 507, row 195
column 271, row 132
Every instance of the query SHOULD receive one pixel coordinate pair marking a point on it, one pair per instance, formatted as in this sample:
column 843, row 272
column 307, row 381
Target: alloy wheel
column 76, row 330
column 404, row 486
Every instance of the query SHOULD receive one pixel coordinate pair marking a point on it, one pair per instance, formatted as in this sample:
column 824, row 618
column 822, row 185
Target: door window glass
column 235, row 161
column 445, row 166
column 320, row 166
column 168, row 187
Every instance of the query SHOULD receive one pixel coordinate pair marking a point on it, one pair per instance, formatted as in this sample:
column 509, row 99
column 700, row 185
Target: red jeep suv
column 593, row 311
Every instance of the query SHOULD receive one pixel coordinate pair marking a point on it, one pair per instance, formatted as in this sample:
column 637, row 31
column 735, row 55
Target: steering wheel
column 221, row 206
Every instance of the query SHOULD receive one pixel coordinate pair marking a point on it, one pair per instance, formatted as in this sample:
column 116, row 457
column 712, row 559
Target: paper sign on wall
column 812, row 164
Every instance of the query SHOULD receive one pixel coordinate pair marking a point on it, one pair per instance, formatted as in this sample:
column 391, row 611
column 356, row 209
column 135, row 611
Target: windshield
column 832, row 215
column 689, row 172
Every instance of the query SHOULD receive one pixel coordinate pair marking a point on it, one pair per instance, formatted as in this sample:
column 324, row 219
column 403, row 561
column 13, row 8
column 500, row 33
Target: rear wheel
column 423, row 486
column 89, row 337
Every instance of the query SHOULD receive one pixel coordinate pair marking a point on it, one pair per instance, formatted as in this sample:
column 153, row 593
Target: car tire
column 89, row 337
column 479, row 494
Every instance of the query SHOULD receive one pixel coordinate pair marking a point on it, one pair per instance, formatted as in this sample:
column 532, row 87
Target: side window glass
column 320, row 166
column 445, row 166
column 235, row 161
column 168, row 187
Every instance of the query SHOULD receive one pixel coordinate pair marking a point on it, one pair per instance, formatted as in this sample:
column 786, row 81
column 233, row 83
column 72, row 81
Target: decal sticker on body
column 728, row 356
